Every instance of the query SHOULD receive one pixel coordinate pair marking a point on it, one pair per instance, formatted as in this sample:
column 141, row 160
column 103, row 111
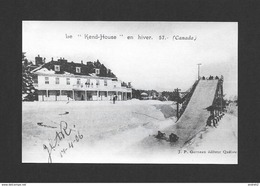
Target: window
column 97, row 71
column 57, row 80
column 105, row 82
column 68, row 81
column 87, row 83
column 78, row 81
column 57, row 68
column 47, row 80
column 97, row 82
column 78, row 70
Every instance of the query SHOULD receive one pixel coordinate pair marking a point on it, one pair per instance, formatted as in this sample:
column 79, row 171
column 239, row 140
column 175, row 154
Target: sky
column 162, row 65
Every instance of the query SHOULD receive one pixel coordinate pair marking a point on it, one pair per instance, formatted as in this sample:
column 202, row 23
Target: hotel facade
column 67, row 81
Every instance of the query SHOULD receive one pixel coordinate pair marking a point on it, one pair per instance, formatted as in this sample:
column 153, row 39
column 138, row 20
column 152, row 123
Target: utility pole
column 199, row 70
column 178, row 97
column 221, row 93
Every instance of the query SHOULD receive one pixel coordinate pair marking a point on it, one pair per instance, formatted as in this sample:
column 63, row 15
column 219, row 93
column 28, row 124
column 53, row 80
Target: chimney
column 38, row 60
column 81, row 61
column 62, row 60
column 129, row 84
column 52, row 59
column 89, row 63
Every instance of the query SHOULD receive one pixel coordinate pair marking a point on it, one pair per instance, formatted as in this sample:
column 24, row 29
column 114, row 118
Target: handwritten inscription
column 63, row 133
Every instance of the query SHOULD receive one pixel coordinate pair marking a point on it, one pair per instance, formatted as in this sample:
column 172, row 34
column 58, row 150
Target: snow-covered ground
column 102, row 132
column 220, row 144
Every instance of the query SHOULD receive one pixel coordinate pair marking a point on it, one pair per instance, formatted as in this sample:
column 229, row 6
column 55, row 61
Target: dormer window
column 97, row 71
column 78, row 70
column 57, row 68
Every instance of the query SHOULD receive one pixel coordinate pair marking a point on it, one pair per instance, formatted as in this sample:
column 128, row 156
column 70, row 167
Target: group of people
column 213, row 120
column 172, row 137
column 210, row 78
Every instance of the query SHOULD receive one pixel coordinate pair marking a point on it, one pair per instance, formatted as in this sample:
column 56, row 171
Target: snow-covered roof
column 67, row 73
column 144, row 94
column 45, row 71
column 70, row 68
column 93, row 75
column 36, row 69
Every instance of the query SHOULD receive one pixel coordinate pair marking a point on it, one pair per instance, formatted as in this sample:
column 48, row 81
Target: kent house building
column 62, row 80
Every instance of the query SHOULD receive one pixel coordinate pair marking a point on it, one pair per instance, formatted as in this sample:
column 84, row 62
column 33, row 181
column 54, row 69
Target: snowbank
column 108, row 129
column 168, row 110
column 103, row 132
column 232, row 109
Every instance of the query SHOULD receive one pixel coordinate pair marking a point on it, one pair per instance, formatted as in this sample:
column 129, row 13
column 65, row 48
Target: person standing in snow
column 209, row 121
column 114, row 99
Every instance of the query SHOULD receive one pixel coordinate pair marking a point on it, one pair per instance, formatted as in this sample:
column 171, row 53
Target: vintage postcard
column 129, row 92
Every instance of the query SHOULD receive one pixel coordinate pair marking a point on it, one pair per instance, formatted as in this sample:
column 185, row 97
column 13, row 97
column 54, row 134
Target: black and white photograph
column 135, row 92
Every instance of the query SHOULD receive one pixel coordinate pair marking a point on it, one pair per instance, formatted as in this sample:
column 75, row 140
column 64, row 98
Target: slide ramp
column 194, row 118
